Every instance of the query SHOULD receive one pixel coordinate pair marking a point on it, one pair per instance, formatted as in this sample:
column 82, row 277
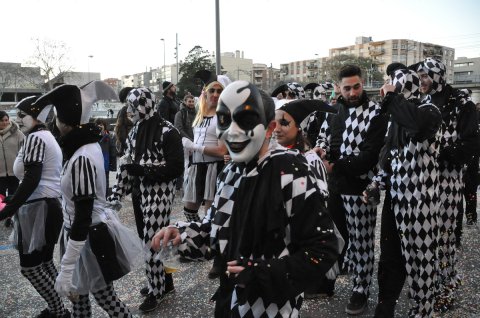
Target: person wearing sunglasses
column 36, row 205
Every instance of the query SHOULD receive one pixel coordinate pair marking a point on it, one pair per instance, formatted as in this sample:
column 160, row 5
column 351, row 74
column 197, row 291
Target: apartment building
column 382, row 52
column 466, row 70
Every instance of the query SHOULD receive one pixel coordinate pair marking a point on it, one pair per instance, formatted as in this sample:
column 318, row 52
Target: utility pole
column 176, row 54
column 164, row 74
column 217, row 47
column 89, row 57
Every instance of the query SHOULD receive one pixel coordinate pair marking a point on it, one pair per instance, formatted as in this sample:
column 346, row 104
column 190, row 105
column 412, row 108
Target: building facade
column 466, row 70
column 18, row 82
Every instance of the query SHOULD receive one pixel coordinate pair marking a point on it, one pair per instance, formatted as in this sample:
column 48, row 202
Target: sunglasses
column 213, row 90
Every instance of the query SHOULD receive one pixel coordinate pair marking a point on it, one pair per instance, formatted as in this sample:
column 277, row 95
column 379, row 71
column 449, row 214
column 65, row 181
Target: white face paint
column 28, row 122
column 240, row 121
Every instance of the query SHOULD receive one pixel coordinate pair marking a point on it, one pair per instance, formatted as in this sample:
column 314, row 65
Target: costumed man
column 268, row 219
column 315, row 120
column 96, row 248
column 39, row 218
column 352, row 145
column 408, row 237
column 155, row 150
column 458, row 145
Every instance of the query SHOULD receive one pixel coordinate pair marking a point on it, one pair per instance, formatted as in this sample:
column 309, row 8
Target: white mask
column 241, row 121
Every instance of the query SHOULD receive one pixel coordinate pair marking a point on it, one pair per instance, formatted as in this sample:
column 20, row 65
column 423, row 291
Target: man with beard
column 459, row 143
column 267, row 220
column 352, row 145
column 168, row 106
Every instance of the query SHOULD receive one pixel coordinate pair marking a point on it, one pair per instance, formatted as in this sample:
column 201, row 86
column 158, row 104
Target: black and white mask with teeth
column 241, row 120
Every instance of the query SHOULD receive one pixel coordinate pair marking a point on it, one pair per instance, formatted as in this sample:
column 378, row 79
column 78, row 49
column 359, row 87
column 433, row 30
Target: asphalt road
column 193, row 289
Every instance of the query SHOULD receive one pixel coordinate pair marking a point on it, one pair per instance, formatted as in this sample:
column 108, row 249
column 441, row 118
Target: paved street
column 193, row 289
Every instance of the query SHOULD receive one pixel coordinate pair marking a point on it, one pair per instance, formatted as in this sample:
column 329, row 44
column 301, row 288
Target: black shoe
column 144, row 291
column 150, row 303
column 357, row 304
column 45, row 313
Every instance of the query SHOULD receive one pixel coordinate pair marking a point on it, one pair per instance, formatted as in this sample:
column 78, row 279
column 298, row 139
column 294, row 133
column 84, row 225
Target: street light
column 164, row 77
column 318, row 66
column 89, row 57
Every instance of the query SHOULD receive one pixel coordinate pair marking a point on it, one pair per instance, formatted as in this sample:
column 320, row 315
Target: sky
column 123, row 37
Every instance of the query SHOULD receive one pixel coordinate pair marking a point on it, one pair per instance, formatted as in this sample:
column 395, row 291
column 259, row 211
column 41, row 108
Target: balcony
column 376, row 52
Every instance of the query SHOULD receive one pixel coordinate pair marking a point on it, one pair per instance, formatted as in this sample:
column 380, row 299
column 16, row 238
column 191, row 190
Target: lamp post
column 89, row 57
column 318, row 66
column 164, row 77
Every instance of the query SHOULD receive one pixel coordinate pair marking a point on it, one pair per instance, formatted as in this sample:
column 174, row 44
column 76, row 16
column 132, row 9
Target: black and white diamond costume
column 155, row 157
column 268, row 215
column 352, row 140
column 96, row 248
column 409, row 229
column 38, row 221
column 458, row 144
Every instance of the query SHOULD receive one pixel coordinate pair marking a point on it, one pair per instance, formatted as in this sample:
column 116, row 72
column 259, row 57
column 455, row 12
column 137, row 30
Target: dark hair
column 3, row 114
column 122, row 95
column 349, row 70
column 100, row 121
column 122, row 128
column 188, row 97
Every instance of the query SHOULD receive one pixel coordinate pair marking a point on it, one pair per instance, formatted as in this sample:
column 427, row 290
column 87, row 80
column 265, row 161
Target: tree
column 368, row 66
column 52, row 57
column 196, row 60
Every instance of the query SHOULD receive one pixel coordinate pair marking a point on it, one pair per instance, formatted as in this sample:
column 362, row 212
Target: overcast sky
column 124, row 36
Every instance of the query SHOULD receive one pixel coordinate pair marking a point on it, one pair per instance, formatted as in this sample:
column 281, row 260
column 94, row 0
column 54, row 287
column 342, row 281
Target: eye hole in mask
column 247, row 120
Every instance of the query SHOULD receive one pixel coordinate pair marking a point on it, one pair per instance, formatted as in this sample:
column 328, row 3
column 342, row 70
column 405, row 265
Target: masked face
column 133, row 115
column 241, row 121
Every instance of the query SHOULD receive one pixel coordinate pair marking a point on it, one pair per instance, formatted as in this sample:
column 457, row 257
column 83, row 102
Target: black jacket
column 457, row 109
column 167, row 108
column 349, row 170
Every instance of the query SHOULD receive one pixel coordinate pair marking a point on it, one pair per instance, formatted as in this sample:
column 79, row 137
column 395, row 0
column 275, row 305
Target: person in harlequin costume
column 351, row 146
column 96, row 248
column 39, row 218
column 289, row 134
column 408, row 238
column 312, row 125
column 459, row 143
column 267, row 220
column 155, row 153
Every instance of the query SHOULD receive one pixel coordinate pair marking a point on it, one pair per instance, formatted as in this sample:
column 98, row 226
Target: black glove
column 7, row 212
column 373, row 193
column 134, row 169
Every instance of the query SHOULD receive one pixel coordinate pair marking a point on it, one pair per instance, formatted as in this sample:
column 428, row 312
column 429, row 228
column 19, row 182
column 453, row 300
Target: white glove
column 190, row 146
column 63, row 283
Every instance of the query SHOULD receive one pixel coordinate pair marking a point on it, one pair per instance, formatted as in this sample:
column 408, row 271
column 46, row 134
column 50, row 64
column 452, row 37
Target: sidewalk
column 193, row 289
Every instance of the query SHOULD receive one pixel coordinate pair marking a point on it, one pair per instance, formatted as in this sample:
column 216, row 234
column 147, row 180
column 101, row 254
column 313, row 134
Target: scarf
column 79, row 136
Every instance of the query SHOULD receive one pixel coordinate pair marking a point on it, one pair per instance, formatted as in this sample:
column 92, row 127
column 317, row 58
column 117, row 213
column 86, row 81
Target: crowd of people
column 289, row 183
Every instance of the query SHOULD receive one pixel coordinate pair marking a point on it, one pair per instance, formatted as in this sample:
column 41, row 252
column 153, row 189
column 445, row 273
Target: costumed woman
column 288, row 132
column 39, row 218
column 96, row 248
